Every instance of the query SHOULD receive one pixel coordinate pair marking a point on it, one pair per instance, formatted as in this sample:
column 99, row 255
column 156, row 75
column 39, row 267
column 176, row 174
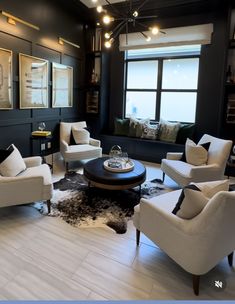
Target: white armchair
column 77, row 152
column 198, row 244
column 183, row 173
column 33, row 184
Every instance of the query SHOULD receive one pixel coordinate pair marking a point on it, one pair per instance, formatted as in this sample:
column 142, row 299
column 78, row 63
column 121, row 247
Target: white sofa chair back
column 198, row 244
column 66, row 127
column 184, row 173
column 218, row 152
column 80, row 151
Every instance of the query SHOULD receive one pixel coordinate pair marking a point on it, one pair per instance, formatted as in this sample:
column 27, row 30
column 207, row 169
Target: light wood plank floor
column 43, row 258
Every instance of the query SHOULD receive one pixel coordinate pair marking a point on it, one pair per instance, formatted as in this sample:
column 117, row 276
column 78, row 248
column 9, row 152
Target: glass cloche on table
column 115, row 155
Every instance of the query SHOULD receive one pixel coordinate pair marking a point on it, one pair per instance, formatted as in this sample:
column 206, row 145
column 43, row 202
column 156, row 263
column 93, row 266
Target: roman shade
column 187, row 35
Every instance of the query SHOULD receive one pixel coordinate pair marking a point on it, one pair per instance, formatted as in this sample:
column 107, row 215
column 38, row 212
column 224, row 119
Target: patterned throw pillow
column 136, row 126
column 169, row 130
column 150, row 131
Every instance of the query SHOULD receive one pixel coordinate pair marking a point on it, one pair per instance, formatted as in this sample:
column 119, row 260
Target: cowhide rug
column 72, row 202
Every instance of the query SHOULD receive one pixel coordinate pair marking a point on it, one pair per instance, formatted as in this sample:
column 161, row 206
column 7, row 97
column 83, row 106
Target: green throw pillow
column 121, row 126
column 185, row 131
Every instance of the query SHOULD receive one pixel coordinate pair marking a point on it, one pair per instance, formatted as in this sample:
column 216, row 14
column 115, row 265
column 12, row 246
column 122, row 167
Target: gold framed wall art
column 6, row 98
column 33, row 80
column 62, row 85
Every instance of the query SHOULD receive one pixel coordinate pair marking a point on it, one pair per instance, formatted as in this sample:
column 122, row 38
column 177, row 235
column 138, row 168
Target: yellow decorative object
column 41, row 133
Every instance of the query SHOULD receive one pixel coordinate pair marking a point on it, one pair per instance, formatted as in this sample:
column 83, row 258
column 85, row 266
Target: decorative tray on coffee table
column 119, row 166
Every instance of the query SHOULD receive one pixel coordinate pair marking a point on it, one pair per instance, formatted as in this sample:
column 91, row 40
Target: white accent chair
column 77, row 152
column 198, row 244
column 33, row 184
column 183, row 173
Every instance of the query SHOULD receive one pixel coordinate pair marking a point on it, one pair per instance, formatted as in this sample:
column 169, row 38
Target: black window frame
column 159, row 88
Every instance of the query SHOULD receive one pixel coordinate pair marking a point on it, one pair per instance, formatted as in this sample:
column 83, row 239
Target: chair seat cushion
column 79, row 152
column 178, row 167
column 164, row 201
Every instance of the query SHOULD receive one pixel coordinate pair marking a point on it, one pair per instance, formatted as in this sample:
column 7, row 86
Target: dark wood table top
column 94, row 171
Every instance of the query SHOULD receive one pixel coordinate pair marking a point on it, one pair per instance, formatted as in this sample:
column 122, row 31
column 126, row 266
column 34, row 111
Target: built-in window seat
column 138, row 148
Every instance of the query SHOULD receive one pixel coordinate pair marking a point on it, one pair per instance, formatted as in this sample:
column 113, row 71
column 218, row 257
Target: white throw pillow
column 13, row 164
column 191, row 202
column 209, row 189
column 81, row 136
column 195, row 154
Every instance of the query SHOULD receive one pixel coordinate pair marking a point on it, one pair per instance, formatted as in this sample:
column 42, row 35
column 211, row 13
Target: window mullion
column 159, row 87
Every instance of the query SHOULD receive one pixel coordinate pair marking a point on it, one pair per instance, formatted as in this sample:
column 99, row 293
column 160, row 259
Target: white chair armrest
column 174, row 155
column 206, row 171
column 95, row 142
column 63, row 146
column 19, row 189
column 33, row 161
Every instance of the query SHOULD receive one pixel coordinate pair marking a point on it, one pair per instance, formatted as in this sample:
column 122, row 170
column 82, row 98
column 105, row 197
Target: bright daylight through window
column 162, row 83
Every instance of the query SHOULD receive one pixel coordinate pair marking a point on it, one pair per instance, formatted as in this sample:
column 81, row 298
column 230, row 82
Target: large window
column 158, row 86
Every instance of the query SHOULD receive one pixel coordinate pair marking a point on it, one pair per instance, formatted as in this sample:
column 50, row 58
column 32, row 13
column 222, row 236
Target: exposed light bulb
column 107, row 35
column 135, row 14
column 108, row 43
column 148, row 38
column 97, row 23
column 94, row 1
column 106, row 19
column 155, row 30
column 99, row 8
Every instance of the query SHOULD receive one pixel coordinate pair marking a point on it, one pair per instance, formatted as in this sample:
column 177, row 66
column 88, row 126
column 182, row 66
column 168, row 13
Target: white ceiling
column 90, row 4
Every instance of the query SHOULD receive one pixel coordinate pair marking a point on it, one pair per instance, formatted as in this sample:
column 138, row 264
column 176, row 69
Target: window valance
column 196, row 34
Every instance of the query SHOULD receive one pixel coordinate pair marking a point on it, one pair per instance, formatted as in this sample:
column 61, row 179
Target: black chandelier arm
column 145, row 36
column 146, row 17
column 142, row 24
column 146, row 27
column 141, row 5
column 121, row 26
column 118, row 26
column 126, row 33
column 115, row 9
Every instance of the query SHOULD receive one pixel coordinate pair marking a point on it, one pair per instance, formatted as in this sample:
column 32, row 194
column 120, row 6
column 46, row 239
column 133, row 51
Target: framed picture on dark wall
column 33, row 79
column 62, row 85
column 6, row 100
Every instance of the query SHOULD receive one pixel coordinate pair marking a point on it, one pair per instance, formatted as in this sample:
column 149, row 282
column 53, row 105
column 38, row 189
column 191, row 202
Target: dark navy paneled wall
column 16, row 125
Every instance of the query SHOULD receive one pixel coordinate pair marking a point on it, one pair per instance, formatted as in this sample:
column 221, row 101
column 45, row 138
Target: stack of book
column 41, row 133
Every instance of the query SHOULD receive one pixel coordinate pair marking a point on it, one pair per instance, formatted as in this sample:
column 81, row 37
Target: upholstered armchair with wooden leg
column 196, row 244
column 31, row 185
column 77, row 151
column 184, row 173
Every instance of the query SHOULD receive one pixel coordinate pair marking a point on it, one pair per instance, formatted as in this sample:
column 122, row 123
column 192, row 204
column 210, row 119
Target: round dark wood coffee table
column 99, row 177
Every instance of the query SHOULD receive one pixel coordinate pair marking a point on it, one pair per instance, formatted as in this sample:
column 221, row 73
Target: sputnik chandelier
column 110, row 14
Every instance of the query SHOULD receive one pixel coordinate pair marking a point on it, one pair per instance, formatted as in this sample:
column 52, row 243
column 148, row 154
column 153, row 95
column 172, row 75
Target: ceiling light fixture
column 12, row 20
column 62, row 41
column 123, row 20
